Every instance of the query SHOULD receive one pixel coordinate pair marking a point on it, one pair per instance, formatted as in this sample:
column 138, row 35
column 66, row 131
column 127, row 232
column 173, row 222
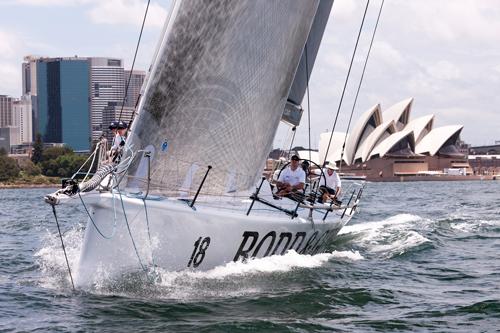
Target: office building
column 63, row 109
column 107, row 88
column 9, row 136
column 6, row 110
column 22, row 118
column 134, row 86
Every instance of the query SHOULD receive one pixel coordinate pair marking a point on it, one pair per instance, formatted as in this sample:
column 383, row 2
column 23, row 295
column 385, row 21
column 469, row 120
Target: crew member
column 292, row 178
column 330, row 185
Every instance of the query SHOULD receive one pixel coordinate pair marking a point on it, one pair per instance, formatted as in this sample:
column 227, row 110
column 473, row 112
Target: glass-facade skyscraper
column 63, row 91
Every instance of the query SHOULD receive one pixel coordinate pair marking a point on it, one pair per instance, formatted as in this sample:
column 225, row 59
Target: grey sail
column 293, row 110
column 216, row 92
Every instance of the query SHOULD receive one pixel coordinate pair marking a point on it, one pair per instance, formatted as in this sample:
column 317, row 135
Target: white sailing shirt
column 332, row 181
column 292, row 177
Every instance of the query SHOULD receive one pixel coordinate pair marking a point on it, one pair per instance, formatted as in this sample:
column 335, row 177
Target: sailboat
column 188, row 192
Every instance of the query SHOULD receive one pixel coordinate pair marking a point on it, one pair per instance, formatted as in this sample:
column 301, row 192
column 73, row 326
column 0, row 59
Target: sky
column 445, row 54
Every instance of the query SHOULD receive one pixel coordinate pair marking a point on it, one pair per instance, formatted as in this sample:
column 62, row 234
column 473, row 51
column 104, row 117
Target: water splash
column 50, row 258
column 234, row 278
column 393, row 236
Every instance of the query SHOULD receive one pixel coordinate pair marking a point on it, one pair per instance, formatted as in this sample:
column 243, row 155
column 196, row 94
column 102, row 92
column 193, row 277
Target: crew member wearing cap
column 113, row 127
column 330, row 185
column 119, row 139
column 292, row 178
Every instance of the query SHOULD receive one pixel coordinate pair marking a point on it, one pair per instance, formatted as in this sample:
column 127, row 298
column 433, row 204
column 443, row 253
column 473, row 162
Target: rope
column 63, row 247
column 345, row 83
column 360, row 83
column 88, row 158
column 133, row 62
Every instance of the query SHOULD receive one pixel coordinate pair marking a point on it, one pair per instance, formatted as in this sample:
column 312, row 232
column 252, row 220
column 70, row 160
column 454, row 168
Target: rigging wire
column 128, row 228
column 133, row 62
column 63, row 247
column 308, row 102
column 345, row 83
column 93, row 222
column 360, row 83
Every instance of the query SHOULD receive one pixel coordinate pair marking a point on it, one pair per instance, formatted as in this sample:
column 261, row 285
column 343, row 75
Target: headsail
column 217, row 89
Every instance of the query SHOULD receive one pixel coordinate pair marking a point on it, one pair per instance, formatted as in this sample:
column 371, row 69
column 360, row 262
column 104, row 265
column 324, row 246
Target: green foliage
column 63, row 165
column 3, row 152
column 29, row 168
column 8, row 168
column 53, row 153
column 37, row 149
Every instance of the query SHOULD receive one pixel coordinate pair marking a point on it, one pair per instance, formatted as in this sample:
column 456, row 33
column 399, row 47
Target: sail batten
column 217, row 90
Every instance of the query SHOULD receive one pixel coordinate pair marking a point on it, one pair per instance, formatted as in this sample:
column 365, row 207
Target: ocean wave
column 396, row 235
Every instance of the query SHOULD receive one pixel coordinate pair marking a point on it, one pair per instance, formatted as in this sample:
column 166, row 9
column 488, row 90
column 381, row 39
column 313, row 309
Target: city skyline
column 442, row 54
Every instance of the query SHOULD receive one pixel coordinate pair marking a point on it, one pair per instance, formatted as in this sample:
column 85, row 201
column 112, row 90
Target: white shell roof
column 382, row 148
column 304, row 155
column 335, row 147
column 397, row 110
column 353, row 143
column 374, row 137
column 434, row 140
column 418, row 125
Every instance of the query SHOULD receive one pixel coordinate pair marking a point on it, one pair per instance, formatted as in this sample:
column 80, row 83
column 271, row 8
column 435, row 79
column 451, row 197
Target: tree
column 53, row 153
column 8, row 168
column 62, row 166
column 37, row 149
column 28, row 167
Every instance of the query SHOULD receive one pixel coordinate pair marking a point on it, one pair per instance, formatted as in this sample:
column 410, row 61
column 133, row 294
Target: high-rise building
column 134, row 86
column 30, row 88
column 29, row 75
column 63, row 109
column 22, row 118
column 107, row 88
column 9, row 136
column 6, row 110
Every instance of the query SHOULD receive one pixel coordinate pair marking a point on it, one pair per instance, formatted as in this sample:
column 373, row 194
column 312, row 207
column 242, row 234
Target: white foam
column 391, row 221
column 389, row 237
column 51, row 259
column 410, row 240
column 472, row 226
column 291, row 260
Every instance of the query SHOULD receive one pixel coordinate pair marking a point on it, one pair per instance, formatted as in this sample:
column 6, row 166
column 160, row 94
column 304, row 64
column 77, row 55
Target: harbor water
column 419, row 257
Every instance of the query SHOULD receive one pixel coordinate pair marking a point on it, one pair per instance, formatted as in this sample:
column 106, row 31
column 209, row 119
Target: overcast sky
column 445, row 54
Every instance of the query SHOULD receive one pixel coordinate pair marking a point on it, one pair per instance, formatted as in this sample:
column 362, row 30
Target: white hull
column 181, row 237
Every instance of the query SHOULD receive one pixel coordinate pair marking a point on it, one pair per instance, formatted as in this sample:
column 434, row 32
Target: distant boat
column 187, row 193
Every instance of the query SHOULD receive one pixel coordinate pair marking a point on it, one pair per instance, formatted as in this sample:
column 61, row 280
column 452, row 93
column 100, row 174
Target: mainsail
column 293, row 109
column 217, row 90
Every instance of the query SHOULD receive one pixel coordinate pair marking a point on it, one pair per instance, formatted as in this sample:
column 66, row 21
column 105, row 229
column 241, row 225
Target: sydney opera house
column 389, row 145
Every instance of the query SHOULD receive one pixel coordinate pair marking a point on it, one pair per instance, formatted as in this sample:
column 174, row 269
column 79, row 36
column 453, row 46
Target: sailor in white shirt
column 330, row 185
column 118, row 140
column 292, row 178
